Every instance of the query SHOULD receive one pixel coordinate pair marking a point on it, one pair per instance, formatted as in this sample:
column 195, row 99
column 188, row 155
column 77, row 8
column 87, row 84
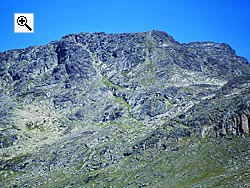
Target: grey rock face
column 73, row 61
column 91, row 100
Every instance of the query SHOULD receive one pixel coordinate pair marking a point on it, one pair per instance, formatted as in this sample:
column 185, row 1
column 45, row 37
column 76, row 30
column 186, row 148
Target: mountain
column 124, row 110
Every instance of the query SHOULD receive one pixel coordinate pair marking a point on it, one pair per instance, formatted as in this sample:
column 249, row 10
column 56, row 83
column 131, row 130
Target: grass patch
column 149, row 45
column 79, row 166
column 151, row 66
column 123, row 102
column 107, row 82
column 9, row 175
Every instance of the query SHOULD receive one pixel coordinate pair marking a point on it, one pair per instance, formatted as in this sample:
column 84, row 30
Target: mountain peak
column 93, row 101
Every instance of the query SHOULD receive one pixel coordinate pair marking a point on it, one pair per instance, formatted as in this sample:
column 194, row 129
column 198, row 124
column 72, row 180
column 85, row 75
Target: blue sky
column 186, row 20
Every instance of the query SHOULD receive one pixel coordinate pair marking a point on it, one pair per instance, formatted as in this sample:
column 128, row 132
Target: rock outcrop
column 93, row 100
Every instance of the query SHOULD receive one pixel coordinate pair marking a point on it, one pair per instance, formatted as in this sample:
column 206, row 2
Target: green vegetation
column 123, row 102
column 198, row 163
column 30, row 81
column 17, row 159
column 110, row 84
column 9, row 175
column 151, row 66
column 79, row 166
column 149, row 45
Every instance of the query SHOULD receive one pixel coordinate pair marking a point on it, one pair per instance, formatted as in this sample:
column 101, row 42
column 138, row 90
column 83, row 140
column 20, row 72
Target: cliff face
column 90, row 101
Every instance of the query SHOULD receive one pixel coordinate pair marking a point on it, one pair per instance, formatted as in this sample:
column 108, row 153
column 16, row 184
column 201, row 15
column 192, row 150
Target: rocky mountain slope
column 124, row 110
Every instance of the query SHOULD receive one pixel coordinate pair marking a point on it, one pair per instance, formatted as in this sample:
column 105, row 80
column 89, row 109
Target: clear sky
column 186, row 20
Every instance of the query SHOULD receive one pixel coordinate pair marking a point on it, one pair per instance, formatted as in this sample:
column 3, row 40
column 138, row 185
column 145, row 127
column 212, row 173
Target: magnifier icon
column 22, row 21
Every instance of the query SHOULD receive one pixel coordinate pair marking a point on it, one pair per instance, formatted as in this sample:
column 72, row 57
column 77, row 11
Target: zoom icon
column 24, row 23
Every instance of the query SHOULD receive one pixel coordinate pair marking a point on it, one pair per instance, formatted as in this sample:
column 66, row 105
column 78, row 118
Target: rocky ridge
column 80, row 106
